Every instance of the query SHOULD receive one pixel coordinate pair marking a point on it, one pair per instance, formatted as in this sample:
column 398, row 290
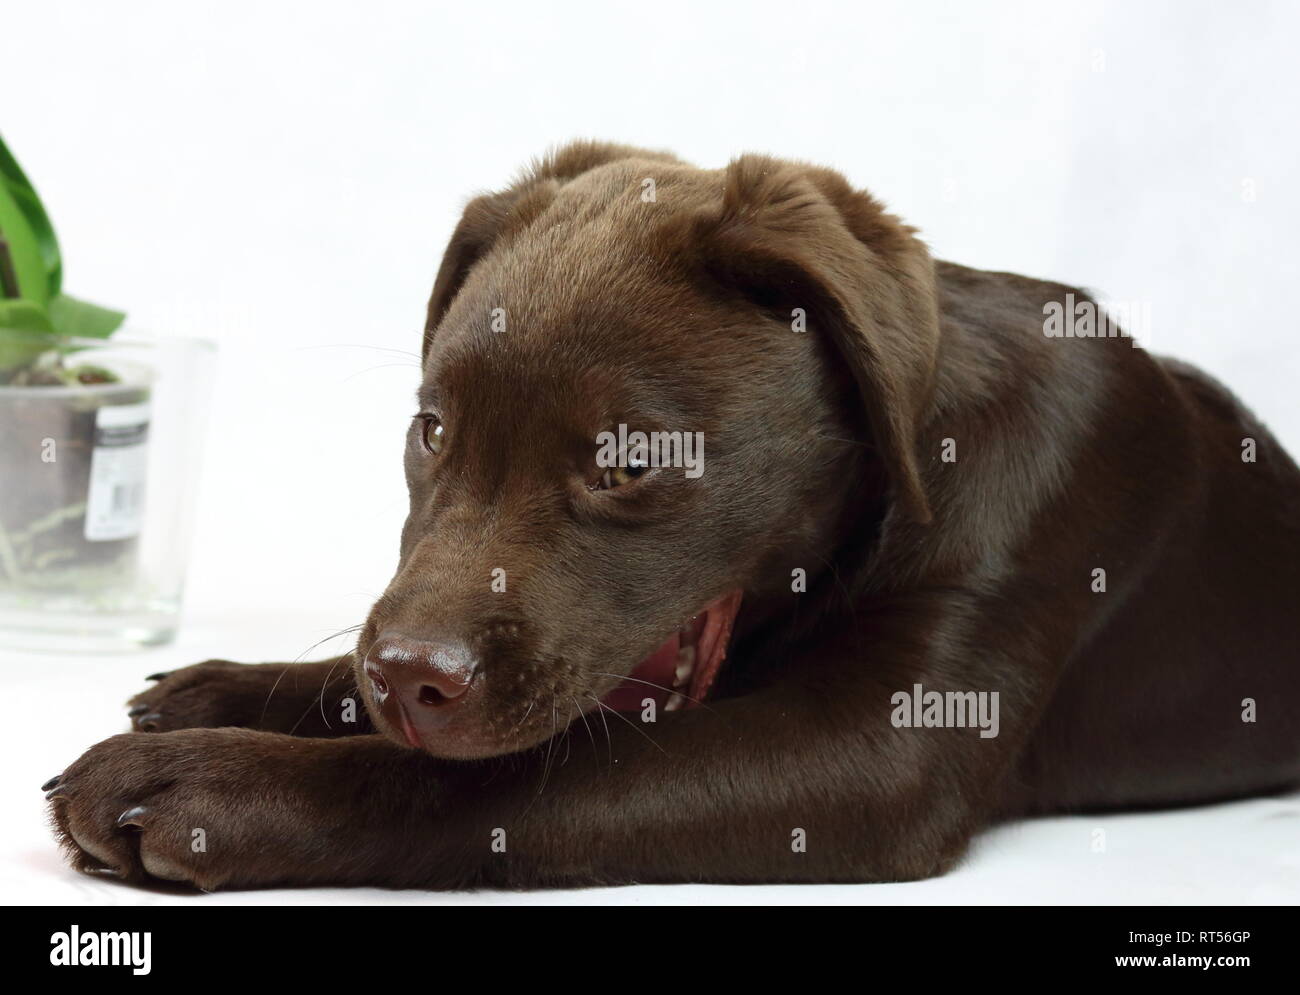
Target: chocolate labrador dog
column 746, row 543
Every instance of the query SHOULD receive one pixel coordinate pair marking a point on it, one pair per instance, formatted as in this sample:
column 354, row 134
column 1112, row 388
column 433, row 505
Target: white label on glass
column 115, row 501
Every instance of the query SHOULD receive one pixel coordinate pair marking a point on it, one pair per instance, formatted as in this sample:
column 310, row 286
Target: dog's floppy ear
column 493, row 218
column 795, row 236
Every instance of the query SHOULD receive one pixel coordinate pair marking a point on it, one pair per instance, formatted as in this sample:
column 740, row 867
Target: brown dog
column 959, row 569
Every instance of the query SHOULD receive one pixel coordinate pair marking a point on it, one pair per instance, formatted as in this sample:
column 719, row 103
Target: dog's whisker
column 266, row 704
column 657, row 687
column 550, row 746
column 324, row 686
column 332, row 636
column 600, row 710
column 568, row 743
column 271, row 693
column 382, row 366
column 590, row 735
column 620, row 715
column 358, row 345
column 319, row 701
column 527, row 712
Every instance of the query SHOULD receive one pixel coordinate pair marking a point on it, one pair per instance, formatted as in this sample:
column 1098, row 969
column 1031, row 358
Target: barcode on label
column 126, row 498
column 115, row 501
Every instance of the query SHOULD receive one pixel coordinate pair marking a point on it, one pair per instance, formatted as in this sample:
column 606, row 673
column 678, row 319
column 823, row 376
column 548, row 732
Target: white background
column 282, row 178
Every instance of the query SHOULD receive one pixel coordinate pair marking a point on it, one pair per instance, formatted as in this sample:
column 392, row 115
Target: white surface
column 1240, row 853
column 282, row 178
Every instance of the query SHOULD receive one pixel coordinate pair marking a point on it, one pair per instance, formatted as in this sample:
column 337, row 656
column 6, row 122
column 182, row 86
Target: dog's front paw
column 206, row 695
column 208, row 807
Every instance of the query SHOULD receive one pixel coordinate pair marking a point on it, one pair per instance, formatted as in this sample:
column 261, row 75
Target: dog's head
column 652, row 394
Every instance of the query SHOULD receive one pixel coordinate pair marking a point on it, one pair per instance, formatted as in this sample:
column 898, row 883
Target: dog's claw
column 51, row 782
column 149, row 723
column 137, row 710
column 131, row 818
column 158, row 676
column 56, row 794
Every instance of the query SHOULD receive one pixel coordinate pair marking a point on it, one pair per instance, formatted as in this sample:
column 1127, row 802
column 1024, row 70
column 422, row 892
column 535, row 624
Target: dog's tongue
column 681, row 672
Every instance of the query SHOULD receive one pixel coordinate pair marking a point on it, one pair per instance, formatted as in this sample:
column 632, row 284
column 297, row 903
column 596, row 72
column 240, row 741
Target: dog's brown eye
column 432, row 435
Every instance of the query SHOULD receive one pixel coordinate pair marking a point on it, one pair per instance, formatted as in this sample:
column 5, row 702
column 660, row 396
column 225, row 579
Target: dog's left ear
column 796, row 236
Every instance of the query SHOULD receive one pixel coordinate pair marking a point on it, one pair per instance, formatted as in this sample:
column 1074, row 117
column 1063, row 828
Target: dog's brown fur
column 825, row 454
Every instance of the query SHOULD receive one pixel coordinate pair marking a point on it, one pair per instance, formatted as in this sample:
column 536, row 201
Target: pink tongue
column 652, row 678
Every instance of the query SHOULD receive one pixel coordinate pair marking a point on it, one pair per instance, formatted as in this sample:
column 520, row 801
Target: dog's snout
column 420, row 674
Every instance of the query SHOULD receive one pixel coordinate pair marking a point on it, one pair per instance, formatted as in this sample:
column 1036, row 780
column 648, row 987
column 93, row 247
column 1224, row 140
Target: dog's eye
column 432, row 434
column 617, row 476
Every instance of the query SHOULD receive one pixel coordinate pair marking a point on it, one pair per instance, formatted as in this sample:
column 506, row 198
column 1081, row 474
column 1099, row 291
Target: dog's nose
column 421, row 674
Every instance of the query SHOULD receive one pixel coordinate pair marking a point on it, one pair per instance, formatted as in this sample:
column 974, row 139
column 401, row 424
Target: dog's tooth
column 674, row 703
column 685, row 666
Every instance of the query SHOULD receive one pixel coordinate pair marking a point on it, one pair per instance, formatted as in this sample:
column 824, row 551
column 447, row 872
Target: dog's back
column 1185, row 688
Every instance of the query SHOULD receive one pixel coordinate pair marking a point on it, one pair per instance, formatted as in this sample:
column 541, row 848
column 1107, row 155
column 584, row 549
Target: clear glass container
column 98, row 482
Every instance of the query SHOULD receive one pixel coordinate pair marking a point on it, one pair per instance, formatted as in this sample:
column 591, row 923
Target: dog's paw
column 206, row 695
column 199, row 806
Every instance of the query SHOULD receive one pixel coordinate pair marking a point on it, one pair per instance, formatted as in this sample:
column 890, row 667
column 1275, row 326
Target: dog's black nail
column 138, row 710
column 56, row 793
column 157, row 677
column 51, row 782
column 131, row 817
column 149, row 723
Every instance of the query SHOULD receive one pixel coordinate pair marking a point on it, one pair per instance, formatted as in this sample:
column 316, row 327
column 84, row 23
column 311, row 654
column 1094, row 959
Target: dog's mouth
column 681, row 672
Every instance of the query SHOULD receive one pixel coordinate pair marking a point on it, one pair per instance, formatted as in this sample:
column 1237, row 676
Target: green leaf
column 81, row 319
column 33, row 261
column 26, row 229
column 19, row 319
